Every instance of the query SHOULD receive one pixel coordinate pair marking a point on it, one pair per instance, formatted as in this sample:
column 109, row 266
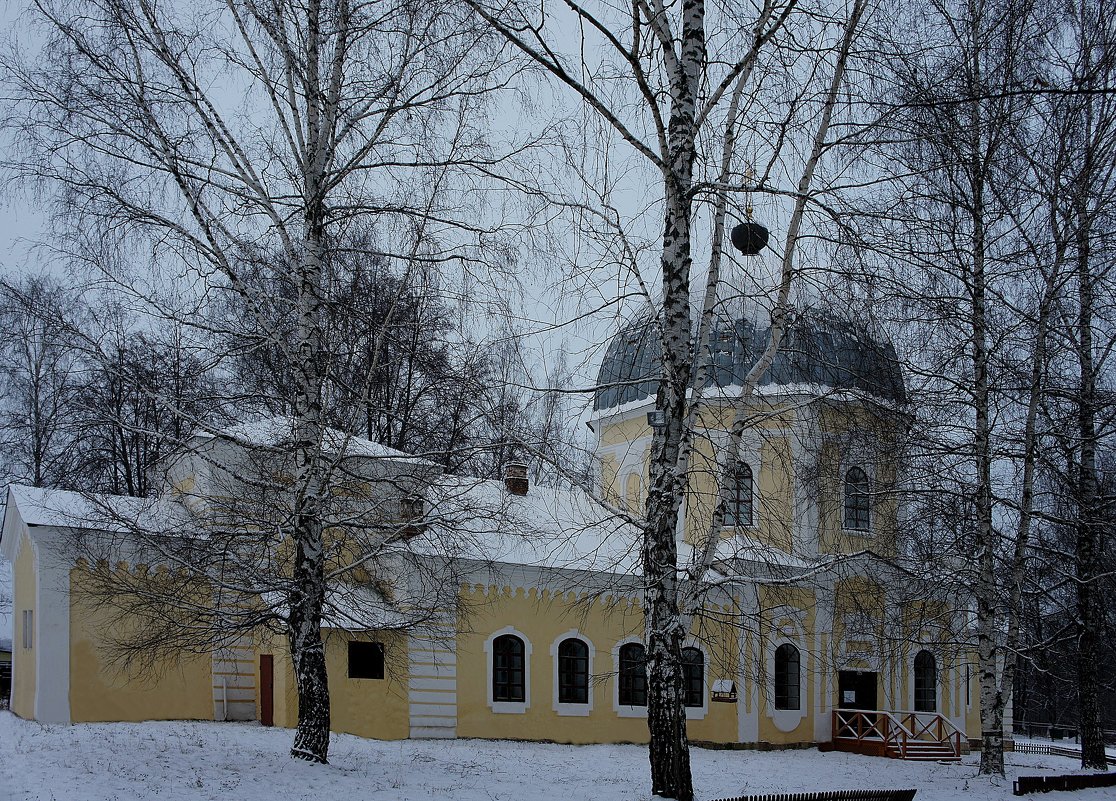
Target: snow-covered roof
column 39, row 506
column 350, row 607
column 548, row 527
column 277, row 430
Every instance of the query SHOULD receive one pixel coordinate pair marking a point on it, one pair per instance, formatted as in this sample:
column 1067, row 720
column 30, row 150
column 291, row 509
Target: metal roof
column 817, row 351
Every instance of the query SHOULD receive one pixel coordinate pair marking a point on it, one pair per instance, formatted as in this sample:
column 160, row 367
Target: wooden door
column 267, row 690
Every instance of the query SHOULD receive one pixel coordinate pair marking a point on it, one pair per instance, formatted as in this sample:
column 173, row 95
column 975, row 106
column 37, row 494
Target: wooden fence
column 833, row 795
column 1044, row 784
column 1047, row 750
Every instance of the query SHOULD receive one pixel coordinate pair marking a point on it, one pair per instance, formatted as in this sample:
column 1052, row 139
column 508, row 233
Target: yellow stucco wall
column 626, row 430
column 100, row 691
column 377, row 708
column 368, row 707
column 543, row 619
column 856, row 435
column 23, row 659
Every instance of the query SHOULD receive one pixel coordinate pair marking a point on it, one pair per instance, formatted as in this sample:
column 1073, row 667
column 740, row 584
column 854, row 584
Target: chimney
column 515, row 478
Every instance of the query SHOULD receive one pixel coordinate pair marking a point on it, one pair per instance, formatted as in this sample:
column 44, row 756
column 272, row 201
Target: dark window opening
column 366, row 660
column 573, row 672
column 633, row 675
column 925, row 682
column 693, row 676
column 858, row 515
column 738, row 511
column 788, row 680
column 508, row 669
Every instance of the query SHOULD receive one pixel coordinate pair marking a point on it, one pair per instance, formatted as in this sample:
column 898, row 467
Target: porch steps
column 919, row 751
column 913, row 736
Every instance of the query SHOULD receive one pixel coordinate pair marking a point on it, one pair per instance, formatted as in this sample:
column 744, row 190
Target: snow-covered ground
column 243, row 762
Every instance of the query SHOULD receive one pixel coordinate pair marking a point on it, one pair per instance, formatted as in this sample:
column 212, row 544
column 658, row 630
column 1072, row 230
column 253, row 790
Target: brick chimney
column 515, row 478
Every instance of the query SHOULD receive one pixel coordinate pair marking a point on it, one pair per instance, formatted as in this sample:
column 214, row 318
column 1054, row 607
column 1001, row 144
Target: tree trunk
column 1090, row 614
column 312, row 736
column 669, row 751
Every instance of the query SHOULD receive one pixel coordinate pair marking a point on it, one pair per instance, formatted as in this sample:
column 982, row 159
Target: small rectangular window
column 28, row 627
column 366, row 660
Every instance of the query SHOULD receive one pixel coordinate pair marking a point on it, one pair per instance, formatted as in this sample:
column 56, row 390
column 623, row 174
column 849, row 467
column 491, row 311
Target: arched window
column 925, row 682
column 858, row 515
column 633, row 675
column 508, row 669
column 633, row 493
column 573, row 672
column 738, row 510
column 788, row 681
column 693, row 676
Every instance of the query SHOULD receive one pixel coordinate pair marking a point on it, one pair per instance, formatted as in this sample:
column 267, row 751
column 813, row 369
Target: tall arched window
column 858, row 514
column 788, row 680
column 693, row 676
column 508, row 669
column 573, row 672
column 925, row 682
column 738, row 511
column 633, row 675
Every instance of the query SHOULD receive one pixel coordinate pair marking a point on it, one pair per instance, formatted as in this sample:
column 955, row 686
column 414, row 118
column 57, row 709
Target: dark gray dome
column 816, row 350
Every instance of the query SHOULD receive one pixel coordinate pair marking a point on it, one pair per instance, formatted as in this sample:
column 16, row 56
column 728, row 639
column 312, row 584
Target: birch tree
column 984, row 271
column 666, row 85
column 40, row 373
column 1079, row 174
column 197, row 142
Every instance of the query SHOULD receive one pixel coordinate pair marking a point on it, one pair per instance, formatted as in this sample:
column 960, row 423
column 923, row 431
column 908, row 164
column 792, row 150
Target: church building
column 502, row 609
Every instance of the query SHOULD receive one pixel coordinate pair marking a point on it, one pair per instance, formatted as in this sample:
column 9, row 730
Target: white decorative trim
column 51, row 635
column 747, row 705
column 509, row 707
column 624, row 711
column 432, row 685
column 787, row 720
column 572, row 710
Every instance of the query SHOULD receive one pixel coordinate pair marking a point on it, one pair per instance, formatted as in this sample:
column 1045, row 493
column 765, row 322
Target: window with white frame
column 28, row 627
column 788, row 677
column 633, row 675
column 573, row 672
column 508, row 669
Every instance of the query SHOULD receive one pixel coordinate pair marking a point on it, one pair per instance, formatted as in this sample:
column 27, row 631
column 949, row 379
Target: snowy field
column 243, row 762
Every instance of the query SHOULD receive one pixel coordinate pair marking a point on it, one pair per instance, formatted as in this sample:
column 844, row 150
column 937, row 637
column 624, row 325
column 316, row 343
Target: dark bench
column 833, row 795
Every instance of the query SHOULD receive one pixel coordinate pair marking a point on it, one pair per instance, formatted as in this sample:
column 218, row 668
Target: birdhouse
column 724, row 691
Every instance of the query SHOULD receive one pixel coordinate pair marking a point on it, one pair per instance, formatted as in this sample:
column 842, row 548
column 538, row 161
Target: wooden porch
column 923, row 736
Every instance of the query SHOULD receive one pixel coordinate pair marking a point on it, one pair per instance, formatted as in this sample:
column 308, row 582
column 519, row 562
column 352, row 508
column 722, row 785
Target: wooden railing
column 896, row 730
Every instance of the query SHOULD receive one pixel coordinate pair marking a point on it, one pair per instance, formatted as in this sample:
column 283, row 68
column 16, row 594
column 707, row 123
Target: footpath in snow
column 244, row 762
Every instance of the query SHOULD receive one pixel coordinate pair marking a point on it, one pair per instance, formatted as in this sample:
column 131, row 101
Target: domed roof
column 817, row 352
